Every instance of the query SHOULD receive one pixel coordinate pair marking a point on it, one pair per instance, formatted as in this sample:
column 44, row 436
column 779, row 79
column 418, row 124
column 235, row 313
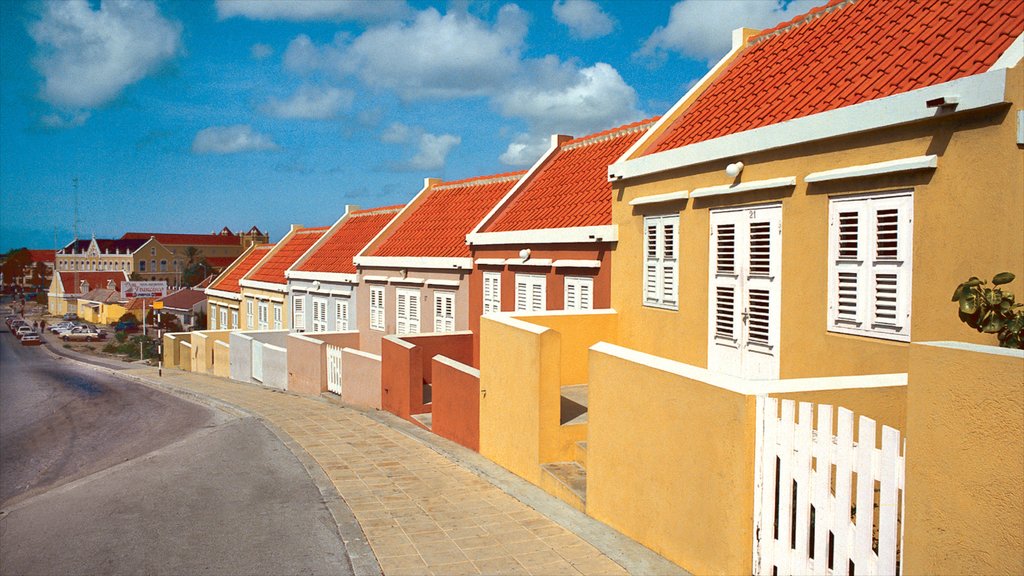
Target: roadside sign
column 158, row 305
column 149, row 289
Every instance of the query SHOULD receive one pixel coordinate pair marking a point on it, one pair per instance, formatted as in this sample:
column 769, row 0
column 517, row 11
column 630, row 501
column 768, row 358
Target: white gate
column 334, row 369
column 810, row 515
column 257, row 360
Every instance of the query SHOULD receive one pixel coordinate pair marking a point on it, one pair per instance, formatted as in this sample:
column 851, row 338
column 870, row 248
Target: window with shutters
column 248, row 315
column 869, row 279
column 341, row 314
column 579, row 293
column 298, row 313
column 319, row 315
column 213, row 317
column 223, row 318
column 661, row 261
column 234, row 319
column 261, row 319
column 531, row 293
column 277, row 317
column 444, row 311
column 407, row 311
column 492, row 292
column 376, row 307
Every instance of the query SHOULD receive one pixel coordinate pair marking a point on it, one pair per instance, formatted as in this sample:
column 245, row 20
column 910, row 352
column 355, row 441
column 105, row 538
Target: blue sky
column 192, row 115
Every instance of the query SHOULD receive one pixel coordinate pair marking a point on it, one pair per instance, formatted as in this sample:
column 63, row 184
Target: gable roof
column 106, row 245
column 438, row 225
column 183, row 299
column 95, row 279
column 222, row 239
column 101, row 295
column 290, row 249
column 571, row 188
column 335, row 254
column 846, row 53
column 228, row 282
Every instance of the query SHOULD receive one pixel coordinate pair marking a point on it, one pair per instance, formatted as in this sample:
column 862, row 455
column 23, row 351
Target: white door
column 531, row 293
column 341, row 314
column 444, row 311
column 743, row 323
column 319, row 315
column 407, row 314
column 334, row 369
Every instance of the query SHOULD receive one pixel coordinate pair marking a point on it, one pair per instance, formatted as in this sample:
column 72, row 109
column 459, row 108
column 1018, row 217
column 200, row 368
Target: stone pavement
column 422, row 511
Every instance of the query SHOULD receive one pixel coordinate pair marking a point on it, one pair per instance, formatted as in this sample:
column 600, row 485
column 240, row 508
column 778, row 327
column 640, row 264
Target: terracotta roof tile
column 220, row 261
column 42, row 255
column 438, row 226
column 184, row 299
column 572, row 188
column 272, row 269
column 186, row 239
column 95, row 280
column 846, row 53
column 335, row 254
column 229, row 283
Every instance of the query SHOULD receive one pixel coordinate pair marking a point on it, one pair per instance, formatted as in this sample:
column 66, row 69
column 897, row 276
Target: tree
column 196, row 272
column 15, row 264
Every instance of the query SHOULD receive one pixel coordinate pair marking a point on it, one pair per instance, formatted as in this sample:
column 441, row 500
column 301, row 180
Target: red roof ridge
column 801, row 19
column 379, row 210
column 312, row 230
column 481, row 180
column 611, row 133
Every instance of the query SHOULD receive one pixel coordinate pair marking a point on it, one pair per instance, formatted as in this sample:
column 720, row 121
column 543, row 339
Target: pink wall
column 406, row 365
column 456, row 406
column 307, row 359
column 361, row 379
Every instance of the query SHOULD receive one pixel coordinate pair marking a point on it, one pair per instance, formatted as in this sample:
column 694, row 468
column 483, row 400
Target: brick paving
column 421, row 512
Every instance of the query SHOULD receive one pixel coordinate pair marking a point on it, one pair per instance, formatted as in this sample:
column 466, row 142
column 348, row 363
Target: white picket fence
column 334, row 369
column 806, row 520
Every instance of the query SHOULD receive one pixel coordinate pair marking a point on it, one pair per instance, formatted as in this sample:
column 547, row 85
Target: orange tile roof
column 95, row 280
column 272, row 270
column 335, row 254
column 43, row 255
column 220, row 261
column 845, row 53
column 572, row 188
column 438, row 226
column 186, row 239
column 229, row 283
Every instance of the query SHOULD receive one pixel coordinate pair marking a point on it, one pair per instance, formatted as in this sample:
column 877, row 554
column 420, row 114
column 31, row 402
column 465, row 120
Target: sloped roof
column 101, row 295
column 95, row 280
column 335, row 254
column 42, row 255
column 845, row 53
column 438, row 226
column 292, row 248
column 229, row 282
column 572, row 188
column 220, row 261
column 184, row 299
column 186, row 239
column 122, row 245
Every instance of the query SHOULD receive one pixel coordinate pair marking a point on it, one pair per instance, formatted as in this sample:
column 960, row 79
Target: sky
column 192, row 115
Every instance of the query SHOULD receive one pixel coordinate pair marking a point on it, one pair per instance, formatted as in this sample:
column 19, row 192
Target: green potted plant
column 991, row 310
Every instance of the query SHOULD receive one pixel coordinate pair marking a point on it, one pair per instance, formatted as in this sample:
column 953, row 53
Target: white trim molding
column 972, row 92
column 1012, row 56
column 322, row 276
column 770, row 184
column 556, row 144
column 660, row 198
column 609, row 233
column 358, row 352
column 223, row 294
column 490, row 261
column 929, row 162
column 538, row 262
column 273, row 287
column 422, row 263
column 382, row 279
column 408, row 280
column 457, row 365
column 577, row 263
column 443, row 283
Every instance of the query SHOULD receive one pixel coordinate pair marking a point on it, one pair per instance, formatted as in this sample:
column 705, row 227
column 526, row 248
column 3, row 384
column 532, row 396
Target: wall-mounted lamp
column 405, row 273
column 734, row 169
column 316, row 284
column 524, row 254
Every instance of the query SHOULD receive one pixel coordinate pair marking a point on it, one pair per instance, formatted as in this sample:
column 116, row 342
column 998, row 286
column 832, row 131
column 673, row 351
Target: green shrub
column 991, row 310
column 120, row 336
column 110, row 348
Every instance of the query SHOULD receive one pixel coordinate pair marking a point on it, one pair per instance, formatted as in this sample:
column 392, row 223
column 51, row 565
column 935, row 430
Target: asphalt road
column 102, row 475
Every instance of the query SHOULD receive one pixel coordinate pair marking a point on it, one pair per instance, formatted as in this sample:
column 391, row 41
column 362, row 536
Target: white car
column 61, row 326
column 80, row 333
column 23, row 330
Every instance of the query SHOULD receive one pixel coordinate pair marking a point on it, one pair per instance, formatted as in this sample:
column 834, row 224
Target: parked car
column 71, row 326
column 61, row 326
column 22, row 330
column 31, row 339
column 71, row 316
column 80, row 333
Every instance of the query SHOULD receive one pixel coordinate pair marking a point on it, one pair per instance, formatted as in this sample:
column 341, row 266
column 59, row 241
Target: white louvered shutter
column 414, row 311
column 492, row 292
column 341, row 313
column 444, row 312
column 319, row 315
column 725, row 279
column 530, row 293
column 407, row 314
column 579, row 293
column 298, row 313
column 377, row 308
column 661, row 260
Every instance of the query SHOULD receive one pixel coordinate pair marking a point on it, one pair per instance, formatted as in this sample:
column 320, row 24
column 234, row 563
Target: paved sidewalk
column 422, row 512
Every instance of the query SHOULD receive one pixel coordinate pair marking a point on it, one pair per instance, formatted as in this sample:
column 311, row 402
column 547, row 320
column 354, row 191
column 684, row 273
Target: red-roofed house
column 548, row 245
column 264, row 289
column 415, row 272
column 794, row 227
column 67, row 287
column 224, row 295
column 185, row 305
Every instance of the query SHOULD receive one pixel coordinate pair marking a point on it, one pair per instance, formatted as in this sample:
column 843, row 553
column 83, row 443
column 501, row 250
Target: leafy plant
column 990, row 310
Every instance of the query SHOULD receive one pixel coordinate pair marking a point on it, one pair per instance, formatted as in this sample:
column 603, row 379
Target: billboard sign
column 150, row 289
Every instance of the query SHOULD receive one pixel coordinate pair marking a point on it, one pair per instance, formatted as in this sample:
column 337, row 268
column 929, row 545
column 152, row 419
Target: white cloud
column 58, row 120
column 87, row 57
column 703, row 30
column 565, row 99
column 311, row 103
column 307, row 10
column 261, row 51
column 584, row 18
column 230, row 139
column 435, row 56
column 430, row 150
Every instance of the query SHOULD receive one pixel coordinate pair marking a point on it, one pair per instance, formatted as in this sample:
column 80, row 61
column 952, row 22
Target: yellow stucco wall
column 886, row 406
column 221, row 359
column 256, row 295
column 976, row 188
column 670, row 463
column 213, row 306
column 965, row 462
column 577, row 332
column 203, row 348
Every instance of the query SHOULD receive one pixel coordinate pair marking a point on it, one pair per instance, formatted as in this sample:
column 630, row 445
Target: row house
column 224, row 295
column 793, row 228
column 264, row 289
column 67, row 287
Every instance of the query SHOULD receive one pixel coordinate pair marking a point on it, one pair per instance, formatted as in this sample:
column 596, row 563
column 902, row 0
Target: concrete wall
column 406, row 366
column 275, row 367
column 222, row 359
column 579, row 331
column 456, row 406
column 202, row 349
column 241, row 356
column 307, row 359
column 185, row 356
column 670, row 463
column 965, row 460
column 360, row 372
column 172, row 350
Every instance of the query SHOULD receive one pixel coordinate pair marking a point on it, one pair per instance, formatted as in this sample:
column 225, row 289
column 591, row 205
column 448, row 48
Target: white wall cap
column 930, row 161
column 660, row 198
column 751, row 186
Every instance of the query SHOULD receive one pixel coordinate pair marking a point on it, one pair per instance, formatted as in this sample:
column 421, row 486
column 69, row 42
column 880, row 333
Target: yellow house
column 103, row 306
column 67, row 288
column 224, row 295
column 797, row 223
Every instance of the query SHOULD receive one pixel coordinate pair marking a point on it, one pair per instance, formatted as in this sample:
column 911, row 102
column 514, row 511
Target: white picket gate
column 334, row 369
column 810, row 515
column 257, row 360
